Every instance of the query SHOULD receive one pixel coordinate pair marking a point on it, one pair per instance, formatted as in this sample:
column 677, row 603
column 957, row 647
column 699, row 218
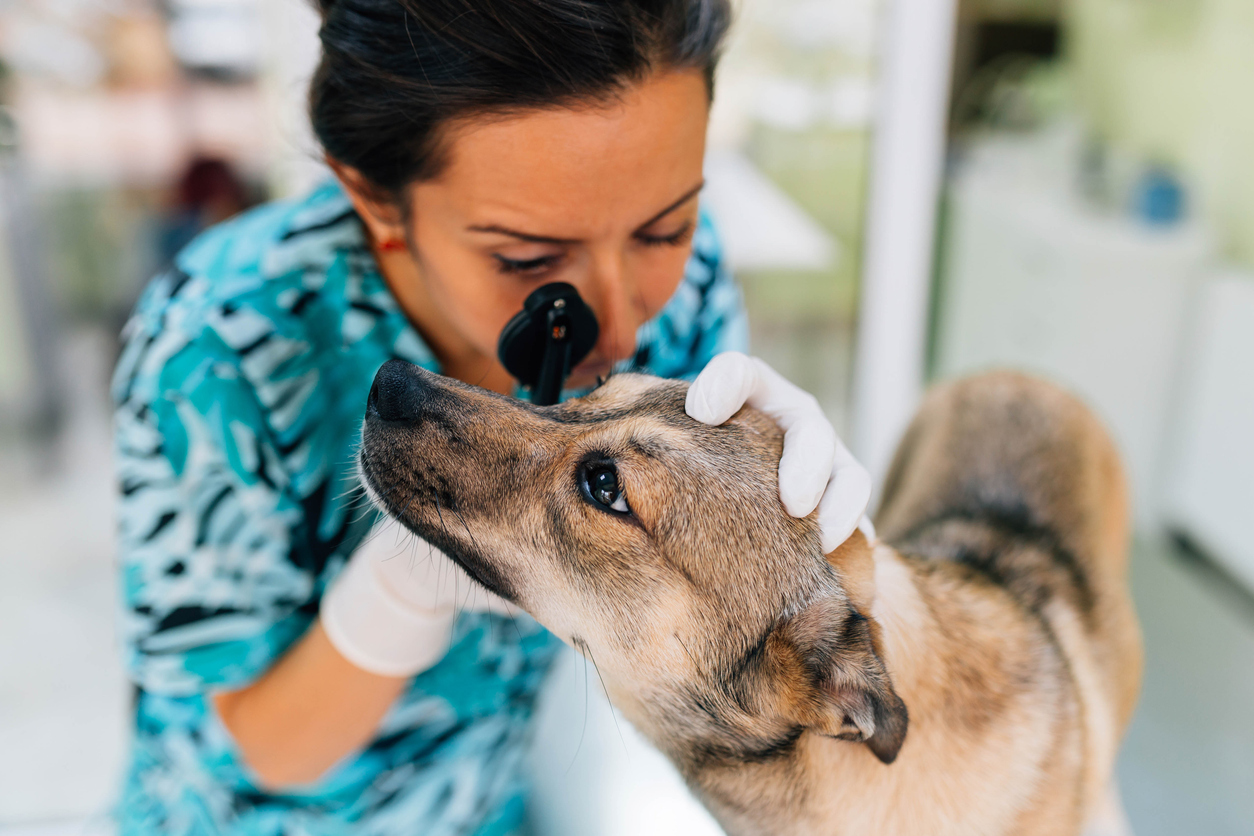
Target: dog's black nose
column 398, row 392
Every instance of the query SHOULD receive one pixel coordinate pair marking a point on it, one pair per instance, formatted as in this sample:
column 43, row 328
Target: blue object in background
column 1158, row 198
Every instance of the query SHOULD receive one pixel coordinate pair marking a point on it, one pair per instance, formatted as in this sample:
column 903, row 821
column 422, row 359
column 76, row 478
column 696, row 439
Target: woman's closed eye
column 672, row 239
column 538, row 264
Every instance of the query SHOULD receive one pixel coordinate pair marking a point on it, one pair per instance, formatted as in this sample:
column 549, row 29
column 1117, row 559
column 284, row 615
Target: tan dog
column 970, row 674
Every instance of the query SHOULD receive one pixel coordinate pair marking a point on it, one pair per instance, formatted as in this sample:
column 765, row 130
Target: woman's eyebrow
column 687, row 196
column 546, row 239
column 525, row 236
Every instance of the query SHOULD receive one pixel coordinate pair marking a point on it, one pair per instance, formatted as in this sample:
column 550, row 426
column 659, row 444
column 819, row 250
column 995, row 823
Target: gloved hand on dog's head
column 816, row 470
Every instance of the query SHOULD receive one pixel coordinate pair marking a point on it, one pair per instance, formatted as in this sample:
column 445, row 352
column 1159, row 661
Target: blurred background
column 907, row 189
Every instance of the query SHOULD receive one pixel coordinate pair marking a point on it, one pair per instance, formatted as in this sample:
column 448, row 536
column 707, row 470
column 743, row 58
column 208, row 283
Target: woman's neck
column 458, row 358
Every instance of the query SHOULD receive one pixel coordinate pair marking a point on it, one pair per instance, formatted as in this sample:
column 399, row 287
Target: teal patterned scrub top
column 239, row 397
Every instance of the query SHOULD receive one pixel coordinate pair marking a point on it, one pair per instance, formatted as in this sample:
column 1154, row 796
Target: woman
column 288, row 678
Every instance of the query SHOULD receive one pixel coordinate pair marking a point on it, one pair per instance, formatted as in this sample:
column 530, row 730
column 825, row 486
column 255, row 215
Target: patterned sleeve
column 212, row 583
column 706, row 315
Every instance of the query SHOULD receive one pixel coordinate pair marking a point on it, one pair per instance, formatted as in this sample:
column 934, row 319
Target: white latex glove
column 816, row 470
column 391, row 610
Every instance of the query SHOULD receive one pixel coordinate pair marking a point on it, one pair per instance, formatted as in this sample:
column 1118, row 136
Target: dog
column 970, row 672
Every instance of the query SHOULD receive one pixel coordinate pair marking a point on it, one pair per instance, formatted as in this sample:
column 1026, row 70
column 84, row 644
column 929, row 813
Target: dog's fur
column 970, row 673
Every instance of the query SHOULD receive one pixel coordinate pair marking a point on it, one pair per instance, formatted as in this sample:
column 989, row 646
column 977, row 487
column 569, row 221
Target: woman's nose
column 618, row 313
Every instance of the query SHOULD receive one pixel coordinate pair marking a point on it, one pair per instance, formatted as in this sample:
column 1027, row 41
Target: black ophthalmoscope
column 544, row 341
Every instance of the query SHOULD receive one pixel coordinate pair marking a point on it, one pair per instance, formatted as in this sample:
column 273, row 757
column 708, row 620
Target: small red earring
column 392, row 245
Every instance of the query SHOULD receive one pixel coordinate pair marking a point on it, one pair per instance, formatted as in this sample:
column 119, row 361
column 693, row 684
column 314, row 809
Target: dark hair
column 394, row 72
column 207, row 179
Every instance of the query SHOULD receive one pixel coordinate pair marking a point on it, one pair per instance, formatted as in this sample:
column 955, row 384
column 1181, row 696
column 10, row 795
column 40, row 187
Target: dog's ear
column 846, row 689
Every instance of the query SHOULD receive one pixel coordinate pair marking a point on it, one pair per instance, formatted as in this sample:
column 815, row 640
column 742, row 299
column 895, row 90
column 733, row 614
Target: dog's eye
column 602, row 484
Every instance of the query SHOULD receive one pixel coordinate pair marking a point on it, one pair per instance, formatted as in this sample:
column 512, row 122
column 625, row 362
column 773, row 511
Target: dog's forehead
column 629, row 395
column 628, row 387
column 641, row 400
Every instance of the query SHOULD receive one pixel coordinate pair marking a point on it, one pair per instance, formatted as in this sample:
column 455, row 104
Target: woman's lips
column 599, row 367
column 586, row 373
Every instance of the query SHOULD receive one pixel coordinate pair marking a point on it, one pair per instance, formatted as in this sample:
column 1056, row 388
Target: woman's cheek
column 661, row 278
column 482, row 298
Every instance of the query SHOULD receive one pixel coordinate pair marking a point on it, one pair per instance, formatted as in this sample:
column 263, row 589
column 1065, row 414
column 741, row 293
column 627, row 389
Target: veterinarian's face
column 602, row 195
column 633, row 532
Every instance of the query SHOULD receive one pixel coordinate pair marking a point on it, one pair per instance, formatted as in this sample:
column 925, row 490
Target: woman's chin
column 585, row 376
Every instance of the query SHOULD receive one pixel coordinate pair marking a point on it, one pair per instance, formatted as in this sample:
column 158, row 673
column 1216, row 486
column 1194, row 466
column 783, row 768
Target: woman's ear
column 384, row 219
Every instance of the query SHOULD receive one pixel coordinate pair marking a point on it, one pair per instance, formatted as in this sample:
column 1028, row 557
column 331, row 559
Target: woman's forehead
column 554, row 170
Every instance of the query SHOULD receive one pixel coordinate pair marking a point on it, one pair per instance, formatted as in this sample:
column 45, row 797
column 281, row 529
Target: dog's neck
column 810, row 790
column 898, row 607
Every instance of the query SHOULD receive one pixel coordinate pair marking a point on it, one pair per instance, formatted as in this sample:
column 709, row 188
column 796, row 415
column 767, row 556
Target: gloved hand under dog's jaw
column 816, row 469
column 392, row 608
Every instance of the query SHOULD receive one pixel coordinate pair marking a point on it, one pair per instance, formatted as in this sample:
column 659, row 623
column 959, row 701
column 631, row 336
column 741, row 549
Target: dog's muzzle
column 402, row 393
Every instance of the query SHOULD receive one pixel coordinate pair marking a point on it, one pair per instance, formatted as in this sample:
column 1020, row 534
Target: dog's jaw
column 475, row 566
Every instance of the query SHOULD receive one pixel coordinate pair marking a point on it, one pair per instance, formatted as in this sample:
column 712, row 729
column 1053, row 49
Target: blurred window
column 787, row 174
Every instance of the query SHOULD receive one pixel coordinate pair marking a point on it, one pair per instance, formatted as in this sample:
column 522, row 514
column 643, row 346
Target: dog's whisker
column 367, row 505
column 378, row 530
column 360, row 514
column 578, row 643
column 400, row 531
column 687, row 652
column 439, row 511
column 360, row 501
column 606, row 691
column 474, row 543
column 413, row 550
column 351, row 488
